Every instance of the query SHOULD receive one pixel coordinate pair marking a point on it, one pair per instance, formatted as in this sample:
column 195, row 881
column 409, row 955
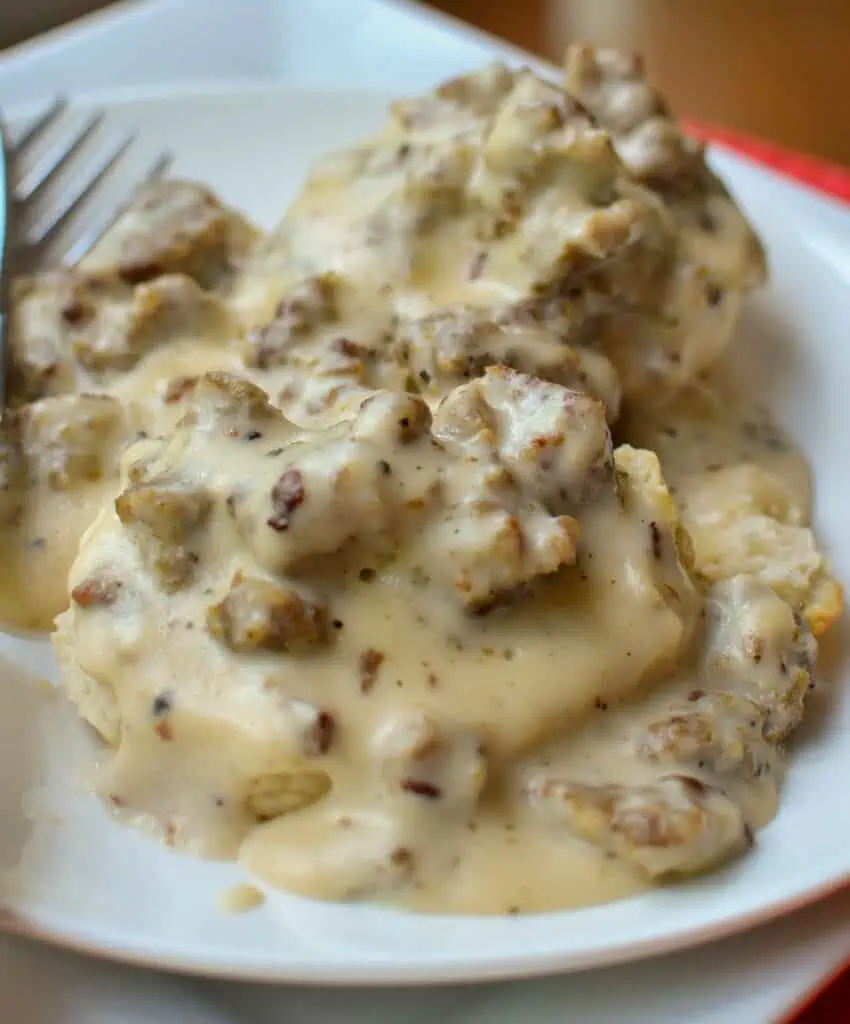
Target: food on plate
column 175, row 227
column 744, row 495
column 58, row 461
column 330, row 587
column 677, row 825
column 425, row 537
column 577, row 209
column 96, row 357
column 499, row 220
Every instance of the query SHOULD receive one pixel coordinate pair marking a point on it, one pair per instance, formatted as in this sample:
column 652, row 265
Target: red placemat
column 828, row 1003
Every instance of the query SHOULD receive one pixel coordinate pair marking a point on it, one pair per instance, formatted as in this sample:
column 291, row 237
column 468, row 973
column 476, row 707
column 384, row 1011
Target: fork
column 30, row 191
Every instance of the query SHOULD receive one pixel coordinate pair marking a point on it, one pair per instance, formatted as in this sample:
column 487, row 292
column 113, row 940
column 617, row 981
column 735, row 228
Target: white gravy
column 299, row 763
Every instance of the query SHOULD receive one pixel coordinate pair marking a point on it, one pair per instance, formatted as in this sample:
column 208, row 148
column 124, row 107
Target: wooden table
column 21, row 19
column 775, row 68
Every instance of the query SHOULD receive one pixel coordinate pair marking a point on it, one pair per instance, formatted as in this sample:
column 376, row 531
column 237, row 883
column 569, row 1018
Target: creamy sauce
column 375, row 656
column 713, row 427
column 393, row 747
column 743, row 489
column 37, row 555
column 496, row 680
column 439, row 247
column 40, row 543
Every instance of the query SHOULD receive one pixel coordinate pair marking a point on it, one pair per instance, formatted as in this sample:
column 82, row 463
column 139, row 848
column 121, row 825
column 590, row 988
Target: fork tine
column 98, row 228
column 55, row 158
column 158, row 168
column 38, row 125
column 47, row 228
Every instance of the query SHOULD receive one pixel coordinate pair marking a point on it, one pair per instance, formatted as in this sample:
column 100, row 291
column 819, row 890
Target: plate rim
column 489, row 968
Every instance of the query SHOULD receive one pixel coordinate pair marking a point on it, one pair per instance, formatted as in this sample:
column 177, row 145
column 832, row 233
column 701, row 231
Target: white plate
column 83, row 881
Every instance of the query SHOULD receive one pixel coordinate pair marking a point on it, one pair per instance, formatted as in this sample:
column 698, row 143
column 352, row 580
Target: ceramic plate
column 73, row 876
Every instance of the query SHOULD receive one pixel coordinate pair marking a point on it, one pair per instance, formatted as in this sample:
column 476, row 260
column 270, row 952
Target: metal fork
column 57, row 218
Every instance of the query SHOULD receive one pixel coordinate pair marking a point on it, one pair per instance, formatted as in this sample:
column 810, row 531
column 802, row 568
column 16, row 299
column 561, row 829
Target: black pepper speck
column 162, row 704
column 713, row 295
column 655, row 540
